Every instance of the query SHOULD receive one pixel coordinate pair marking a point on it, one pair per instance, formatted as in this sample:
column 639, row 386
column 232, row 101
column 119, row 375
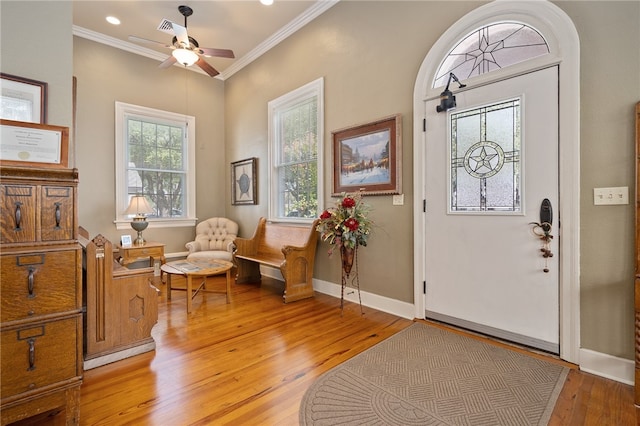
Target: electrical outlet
column 398, row 200
column 609, row 196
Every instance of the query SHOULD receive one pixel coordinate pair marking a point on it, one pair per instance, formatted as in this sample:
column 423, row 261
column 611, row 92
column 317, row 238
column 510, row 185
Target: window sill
column 158, row 223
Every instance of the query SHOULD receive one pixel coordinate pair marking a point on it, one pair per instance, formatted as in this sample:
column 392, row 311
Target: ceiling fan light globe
column 185, row 57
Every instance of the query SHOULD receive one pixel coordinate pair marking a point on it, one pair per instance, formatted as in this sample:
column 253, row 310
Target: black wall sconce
column 447, row 100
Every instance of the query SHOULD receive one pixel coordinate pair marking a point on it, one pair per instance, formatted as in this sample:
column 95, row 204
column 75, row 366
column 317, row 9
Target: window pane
column 491, row 48
column 295, row 134
column 299, row 131
column 485, row 151
column 299, row 190
column 156, row 166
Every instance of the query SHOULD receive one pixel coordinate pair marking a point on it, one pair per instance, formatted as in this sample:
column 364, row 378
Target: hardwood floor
column 250, row 362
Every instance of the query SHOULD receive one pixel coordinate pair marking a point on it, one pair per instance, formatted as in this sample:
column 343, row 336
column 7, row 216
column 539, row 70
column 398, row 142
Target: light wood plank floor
column 250, row 362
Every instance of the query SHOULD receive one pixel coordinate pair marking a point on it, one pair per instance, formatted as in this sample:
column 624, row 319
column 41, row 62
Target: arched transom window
column 490, row 48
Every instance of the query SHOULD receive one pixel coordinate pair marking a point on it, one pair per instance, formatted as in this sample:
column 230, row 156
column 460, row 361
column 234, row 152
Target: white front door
column 490, row 163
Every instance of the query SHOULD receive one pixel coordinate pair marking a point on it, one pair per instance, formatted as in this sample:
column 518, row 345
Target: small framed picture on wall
column 244, row 182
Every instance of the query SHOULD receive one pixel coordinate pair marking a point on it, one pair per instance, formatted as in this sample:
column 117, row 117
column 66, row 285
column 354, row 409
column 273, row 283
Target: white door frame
column 562, row 37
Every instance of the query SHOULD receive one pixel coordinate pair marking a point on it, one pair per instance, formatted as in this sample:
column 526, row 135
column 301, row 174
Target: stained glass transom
column 490, row 48
column 485, row 148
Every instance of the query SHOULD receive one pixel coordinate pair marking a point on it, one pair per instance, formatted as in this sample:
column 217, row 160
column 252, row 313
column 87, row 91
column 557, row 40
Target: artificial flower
column 347, row 224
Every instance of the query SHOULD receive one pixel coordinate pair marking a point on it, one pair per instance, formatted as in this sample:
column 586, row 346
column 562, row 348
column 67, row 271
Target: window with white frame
column 295, row 154
column 155, row 158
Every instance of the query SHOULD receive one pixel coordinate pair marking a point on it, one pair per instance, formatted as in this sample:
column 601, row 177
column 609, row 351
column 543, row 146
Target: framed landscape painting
column 367, row 157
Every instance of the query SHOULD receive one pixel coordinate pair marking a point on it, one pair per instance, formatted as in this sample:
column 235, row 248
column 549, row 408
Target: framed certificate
column 33, row 144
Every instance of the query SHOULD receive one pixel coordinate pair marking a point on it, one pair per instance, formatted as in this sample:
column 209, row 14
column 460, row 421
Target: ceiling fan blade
column 147, row 41
column 207, row 68
column 168, row 62
column 222, row 53
column 181, row 34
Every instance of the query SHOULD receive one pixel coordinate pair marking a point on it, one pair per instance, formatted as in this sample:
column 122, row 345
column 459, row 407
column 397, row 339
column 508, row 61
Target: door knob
column 542, row 230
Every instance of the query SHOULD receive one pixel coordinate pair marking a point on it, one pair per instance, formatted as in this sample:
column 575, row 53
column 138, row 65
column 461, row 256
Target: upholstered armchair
column 214, row 239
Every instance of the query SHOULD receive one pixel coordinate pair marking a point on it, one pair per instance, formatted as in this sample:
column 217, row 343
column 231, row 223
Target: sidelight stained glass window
column 485, row 149
column 490, row 48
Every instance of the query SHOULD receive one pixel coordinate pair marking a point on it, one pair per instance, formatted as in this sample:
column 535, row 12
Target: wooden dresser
column 41, row 312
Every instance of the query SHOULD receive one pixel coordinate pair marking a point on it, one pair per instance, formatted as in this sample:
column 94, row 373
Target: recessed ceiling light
column 113, row 20
column 266, row 2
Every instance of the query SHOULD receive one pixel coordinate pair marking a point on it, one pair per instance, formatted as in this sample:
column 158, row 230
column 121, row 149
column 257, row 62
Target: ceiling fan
column 185, row 49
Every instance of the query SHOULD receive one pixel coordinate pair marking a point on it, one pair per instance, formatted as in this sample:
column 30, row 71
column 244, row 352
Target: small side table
column 134, row 252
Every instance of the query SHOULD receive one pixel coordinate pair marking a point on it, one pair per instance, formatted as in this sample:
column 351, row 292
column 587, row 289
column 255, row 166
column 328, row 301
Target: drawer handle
column 30, row 283
column 18, row 215
column 32, row 354
column 58, row 215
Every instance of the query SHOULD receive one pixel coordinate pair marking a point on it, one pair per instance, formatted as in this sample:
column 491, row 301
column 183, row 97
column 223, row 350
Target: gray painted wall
column 369, row 54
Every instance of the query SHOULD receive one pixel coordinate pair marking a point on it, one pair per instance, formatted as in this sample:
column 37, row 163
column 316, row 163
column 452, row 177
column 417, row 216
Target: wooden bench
column 292, row 249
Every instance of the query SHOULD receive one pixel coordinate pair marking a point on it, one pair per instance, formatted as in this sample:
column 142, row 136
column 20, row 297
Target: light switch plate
column 398, row 200
column 609, row 196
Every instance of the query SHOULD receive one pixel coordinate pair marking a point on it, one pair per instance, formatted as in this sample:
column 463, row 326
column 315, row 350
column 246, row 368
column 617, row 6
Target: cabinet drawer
column 18, row 216
column 38, row 355
column 38, row 283
column 56, row 214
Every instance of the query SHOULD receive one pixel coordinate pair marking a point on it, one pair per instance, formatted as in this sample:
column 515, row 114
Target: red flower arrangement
column 347, row 224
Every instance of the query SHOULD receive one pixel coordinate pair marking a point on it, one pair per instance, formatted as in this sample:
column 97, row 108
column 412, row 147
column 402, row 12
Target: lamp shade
column 139, row 206
column 185, row 57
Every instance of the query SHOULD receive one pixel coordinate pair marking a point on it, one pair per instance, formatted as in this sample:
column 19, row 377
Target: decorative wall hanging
column 23, row 99
column 244, row 182
column 368, row 157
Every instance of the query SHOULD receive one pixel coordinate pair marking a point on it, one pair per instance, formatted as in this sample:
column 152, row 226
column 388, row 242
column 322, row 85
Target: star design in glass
column 484, row 52
column 482, row 160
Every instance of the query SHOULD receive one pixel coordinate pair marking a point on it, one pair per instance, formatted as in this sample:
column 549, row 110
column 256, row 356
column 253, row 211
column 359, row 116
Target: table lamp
column 139, row 206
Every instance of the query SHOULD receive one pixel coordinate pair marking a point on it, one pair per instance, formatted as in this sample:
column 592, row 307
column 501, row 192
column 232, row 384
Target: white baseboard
column 120, row 355
column 608, row 366
column 381, row 303
column 603, row 365
column 176, row 255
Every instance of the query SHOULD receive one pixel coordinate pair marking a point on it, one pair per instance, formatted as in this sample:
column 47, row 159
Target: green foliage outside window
column 157, row 165
column 299, row 167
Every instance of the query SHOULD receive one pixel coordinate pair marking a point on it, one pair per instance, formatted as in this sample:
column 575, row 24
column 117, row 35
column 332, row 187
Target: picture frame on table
column 368, row 157
column 244, row 188
column 23, row 99
column 125, row 240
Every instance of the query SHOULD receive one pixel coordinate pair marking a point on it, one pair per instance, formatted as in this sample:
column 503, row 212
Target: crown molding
column 318, row 8
column 126, row 46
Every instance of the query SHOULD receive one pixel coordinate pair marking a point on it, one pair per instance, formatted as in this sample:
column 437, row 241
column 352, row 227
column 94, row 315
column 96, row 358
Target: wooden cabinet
column 41, row 294
column 122, row 306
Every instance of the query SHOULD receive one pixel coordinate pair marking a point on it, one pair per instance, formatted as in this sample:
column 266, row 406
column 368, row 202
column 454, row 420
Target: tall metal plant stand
column 349, row 259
